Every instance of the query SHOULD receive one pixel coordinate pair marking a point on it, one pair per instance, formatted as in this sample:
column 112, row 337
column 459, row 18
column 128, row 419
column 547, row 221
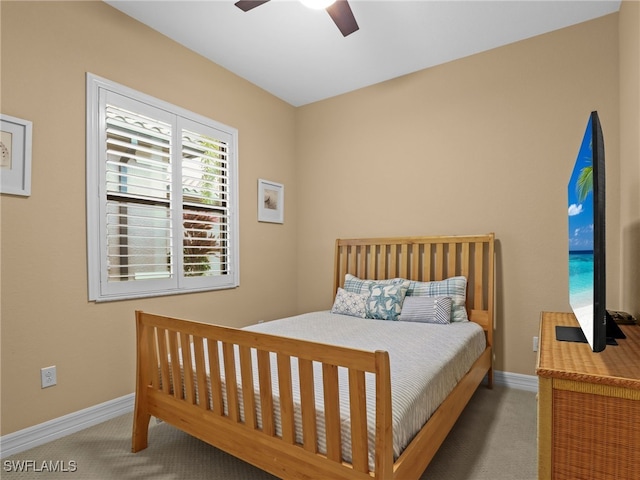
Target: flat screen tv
column 587, row 246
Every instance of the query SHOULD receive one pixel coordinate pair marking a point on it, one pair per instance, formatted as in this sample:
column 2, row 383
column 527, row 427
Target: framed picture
column 270, row 201
column 15, row 159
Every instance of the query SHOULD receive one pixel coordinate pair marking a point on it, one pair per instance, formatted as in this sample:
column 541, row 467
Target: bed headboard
column 425, row 259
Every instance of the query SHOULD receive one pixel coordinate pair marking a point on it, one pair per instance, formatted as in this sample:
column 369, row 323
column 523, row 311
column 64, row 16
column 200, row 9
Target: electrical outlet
column 48, row 376
column 535, row 344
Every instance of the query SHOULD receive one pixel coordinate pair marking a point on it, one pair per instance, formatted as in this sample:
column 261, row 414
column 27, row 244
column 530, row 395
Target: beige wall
column 630, row 154
column 482, row 144
column 46, row 318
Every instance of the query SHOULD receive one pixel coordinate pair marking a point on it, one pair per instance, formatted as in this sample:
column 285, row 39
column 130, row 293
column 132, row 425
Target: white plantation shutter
column 138, row 197
column 207, row 215
column 163, row 218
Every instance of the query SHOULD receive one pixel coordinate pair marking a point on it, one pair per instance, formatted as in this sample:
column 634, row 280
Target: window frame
column 99, row 288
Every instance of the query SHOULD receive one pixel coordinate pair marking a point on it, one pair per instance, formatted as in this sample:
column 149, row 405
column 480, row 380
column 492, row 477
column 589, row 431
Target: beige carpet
column 494, row 439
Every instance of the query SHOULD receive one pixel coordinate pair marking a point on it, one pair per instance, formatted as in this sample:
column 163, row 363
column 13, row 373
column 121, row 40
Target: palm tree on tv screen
column 584, row 185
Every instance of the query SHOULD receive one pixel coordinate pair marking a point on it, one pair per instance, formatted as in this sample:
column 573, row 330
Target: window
column 161, row 197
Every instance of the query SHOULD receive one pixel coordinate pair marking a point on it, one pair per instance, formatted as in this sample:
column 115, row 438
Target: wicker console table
column 588, row 406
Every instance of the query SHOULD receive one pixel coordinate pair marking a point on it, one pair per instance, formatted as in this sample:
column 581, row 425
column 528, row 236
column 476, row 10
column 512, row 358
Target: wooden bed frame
column 184, row 400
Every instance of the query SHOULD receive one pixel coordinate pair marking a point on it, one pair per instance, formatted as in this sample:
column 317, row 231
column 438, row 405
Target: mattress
column 426, row 362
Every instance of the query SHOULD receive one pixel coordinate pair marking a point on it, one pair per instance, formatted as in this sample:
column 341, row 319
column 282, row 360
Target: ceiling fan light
column 317, row 4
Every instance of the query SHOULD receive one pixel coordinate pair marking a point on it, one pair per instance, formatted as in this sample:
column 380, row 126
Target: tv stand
column 574, row 334
column 588, row 405
column 570, row 334
column 613, row 329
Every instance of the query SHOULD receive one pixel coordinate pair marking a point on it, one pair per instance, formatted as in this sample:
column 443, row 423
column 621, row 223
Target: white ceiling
column 300, row 56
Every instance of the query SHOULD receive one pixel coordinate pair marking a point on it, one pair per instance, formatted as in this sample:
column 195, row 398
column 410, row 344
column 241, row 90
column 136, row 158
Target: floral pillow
column 385, row 300
column 348, row 303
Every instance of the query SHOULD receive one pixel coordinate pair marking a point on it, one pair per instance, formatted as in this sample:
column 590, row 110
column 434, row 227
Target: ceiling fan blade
column 341, row 14
column 246, row 5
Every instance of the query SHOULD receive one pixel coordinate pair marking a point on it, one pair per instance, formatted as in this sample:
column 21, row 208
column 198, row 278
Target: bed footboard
column 193, row 393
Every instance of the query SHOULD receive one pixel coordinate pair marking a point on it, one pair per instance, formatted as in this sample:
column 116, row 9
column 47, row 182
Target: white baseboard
column 516, row 380
column 59, row 427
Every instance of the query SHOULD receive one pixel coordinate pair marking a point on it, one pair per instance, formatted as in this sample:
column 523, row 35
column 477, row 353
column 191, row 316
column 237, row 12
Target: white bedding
column 427, row 361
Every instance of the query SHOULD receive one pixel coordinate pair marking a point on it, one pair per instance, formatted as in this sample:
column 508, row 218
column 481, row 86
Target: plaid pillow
column 357, row 285
column 454, row 287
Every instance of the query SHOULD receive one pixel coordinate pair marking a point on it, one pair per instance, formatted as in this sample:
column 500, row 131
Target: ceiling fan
column 339, row 11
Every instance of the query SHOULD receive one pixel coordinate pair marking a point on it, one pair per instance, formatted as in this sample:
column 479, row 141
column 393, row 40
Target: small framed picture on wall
column 15, row 155
column 270, row 201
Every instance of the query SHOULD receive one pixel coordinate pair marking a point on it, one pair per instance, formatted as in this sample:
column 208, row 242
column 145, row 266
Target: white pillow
column 349, row 303
column 426, row 309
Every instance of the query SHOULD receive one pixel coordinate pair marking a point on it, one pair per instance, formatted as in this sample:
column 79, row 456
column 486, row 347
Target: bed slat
column 362, row 262
column 426, row 268
column 373, row 255
column 439, row 261
column 342, row 266
column 332, row 412
column 189, row 387
column 382, row 267
column 214, row 375
column 478, row 301
column 359, row 436
column 464, row 260
column 154, row 372
column 231, row 386
column 393, row 261
column 414, row 254
column 201, row 372
column 248, row 398
column 176, row 375
column 453, row 259
column 286, row 398
column 308, row 405
column 404, row 261
column 164, row 360
column 266, row 396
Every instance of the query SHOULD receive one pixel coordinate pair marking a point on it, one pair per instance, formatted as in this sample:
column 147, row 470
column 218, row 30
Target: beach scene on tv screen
column 580, row 214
